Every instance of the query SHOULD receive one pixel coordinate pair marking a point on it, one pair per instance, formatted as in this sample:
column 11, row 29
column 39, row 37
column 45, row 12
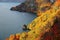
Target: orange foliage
column 57, row 3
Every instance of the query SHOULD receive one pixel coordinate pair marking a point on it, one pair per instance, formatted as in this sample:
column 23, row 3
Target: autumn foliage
column 45, row 27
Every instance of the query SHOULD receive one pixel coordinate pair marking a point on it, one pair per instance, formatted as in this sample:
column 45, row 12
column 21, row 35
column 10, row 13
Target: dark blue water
column 11, row 21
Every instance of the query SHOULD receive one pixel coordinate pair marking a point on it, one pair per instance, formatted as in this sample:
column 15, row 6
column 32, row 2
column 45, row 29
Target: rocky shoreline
column 45, row 26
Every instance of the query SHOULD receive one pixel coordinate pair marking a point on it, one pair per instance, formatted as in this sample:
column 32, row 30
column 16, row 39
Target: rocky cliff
column 44, row 27
column 32, row 5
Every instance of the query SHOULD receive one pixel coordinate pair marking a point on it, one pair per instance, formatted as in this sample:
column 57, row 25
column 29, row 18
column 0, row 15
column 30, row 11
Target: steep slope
column 44, row 23
column 32, row 5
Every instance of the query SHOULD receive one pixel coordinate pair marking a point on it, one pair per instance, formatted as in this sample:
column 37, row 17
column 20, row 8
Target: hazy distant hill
column 12, row 0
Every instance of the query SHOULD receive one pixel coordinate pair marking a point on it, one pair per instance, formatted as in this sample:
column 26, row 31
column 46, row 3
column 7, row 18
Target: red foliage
column 53, row 34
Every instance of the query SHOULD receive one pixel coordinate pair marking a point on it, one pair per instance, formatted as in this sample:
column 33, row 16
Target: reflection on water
column 11, row 21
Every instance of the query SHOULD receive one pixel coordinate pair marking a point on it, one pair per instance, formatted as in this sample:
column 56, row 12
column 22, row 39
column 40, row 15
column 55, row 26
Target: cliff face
column 31, row 5
column 27, row 6
column 44, row 27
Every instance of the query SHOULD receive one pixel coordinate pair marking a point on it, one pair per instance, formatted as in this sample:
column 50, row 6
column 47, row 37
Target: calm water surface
column 11, row 21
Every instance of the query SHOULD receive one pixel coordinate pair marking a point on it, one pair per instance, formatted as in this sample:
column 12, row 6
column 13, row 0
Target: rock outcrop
column 27, row 6
column 32, row 5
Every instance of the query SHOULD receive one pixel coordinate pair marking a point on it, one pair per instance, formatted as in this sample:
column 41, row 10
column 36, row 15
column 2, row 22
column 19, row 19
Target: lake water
column 11, row 21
